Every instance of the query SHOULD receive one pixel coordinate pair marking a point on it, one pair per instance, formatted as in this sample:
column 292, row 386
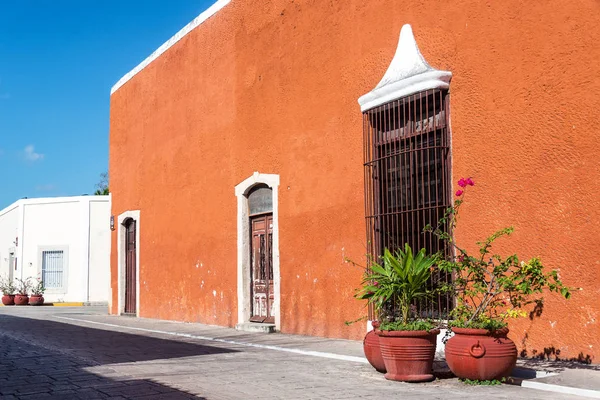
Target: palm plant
column 401, row 279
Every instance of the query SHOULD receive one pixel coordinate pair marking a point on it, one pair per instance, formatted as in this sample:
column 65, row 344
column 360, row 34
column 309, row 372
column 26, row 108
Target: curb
column 68, row 304
column 548, row 387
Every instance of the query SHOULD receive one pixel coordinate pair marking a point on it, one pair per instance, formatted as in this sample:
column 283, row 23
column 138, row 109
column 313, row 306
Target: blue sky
column 58, row 61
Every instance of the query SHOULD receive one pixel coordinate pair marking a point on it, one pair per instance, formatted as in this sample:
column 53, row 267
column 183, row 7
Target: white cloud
column 31, row 155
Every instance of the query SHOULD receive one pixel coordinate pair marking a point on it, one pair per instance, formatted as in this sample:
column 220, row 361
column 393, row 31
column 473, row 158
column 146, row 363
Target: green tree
column 102, row 186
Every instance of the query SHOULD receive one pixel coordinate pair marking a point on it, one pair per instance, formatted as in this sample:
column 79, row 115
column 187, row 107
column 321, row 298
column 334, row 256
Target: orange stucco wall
column 272, row 86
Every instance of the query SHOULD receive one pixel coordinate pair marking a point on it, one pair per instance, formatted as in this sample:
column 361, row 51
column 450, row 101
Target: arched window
column 260, row 200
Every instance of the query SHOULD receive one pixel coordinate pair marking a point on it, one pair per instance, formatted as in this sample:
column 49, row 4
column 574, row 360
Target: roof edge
column 54, row 200
column 206, row 14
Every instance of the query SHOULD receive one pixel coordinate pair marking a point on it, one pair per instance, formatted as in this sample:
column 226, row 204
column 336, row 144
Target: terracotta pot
column 35, row 300
column 408, row 355
column 21, row 300
column 8, row 299
column 481, row 354
column 373, row 351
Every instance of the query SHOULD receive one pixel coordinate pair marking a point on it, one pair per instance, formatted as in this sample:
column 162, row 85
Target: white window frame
column 65, row 251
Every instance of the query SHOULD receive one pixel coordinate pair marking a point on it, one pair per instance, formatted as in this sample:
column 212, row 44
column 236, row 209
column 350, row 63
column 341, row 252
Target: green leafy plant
column 489, row 288
column 7, row 286
column 476, row 382
column 399, row 280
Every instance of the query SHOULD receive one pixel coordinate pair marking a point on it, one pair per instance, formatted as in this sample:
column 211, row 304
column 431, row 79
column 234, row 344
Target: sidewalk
column 228, row 364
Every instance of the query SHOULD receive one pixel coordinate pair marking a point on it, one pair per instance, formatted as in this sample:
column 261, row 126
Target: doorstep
column 255, row 327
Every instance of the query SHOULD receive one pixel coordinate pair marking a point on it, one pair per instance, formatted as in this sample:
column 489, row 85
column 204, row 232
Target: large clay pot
column 21, row 300
column 8, row 299
column 373, row 351
column 408, row 355
column 480, row 354
column 35, row 300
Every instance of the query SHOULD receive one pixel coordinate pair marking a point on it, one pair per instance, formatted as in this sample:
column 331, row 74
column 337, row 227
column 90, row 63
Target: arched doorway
column 258, row 252
column 260, row 211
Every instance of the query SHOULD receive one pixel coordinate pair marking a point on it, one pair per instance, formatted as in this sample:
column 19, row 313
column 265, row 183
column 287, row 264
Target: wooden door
column 130, row 268
column 262, row 269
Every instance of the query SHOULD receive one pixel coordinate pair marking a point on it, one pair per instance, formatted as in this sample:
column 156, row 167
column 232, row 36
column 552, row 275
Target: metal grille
column 53, row 269
column 407, row 179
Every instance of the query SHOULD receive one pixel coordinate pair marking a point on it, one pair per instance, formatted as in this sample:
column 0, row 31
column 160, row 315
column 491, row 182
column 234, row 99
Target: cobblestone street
column 81, row 353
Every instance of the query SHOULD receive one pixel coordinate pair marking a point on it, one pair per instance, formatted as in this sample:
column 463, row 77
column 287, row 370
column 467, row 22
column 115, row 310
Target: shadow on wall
column 551, row 353
column 55, row 357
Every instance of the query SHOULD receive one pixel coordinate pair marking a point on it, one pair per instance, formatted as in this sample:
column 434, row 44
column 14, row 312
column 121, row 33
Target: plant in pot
column 8, row 292
column 37, row 293
column 489, row 289
column 394, row 286
column 23, row 288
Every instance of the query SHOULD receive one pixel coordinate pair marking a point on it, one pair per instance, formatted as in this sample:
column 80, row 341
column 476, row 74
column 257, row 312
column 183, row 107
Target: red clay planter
column 373, row 351
column 481, row 354
column 35, row 300
column 8, row 299
column 408, row 355
column 21, row 300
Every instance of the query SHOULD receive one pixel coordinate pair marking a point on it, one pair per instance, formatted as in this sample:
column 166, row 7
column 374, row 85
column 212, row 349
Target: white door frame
column 135, row 215
column 244, row 299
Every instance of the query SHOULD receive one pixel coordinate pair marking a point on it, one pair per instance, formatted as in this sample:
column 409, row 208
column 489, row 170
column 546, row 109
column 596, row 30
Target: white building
column 63, row 240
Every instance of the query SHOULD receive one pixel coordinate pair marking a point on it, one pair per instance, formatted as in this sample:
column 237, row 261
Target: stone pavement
column 82, row 353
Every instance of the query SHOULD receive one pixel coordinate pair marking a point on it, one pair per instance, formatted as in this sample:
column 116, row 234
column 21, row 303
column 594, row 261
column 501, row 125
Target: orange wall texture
column 272, row 86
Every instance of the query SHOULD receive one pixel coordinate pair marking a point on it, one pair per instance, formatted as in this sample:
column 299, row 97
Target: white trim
column 20, row 241
column 548, row 387
column 243, row 246
column 135, row 215
column 407, row 74
column 312, row 353
column 209, row 12
column 85, row 246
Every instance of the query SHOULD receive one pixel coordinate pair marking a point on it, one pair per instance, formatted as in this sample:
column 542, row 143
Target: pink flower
column 470, row 182
column 461, row 258
column 375, row 283
column 459, row 193
column 462, row 182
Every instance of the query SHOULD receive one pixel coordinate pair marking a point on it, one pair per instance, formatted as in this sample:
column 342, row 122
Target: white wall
column 60, row 224
column 9, row 222
column 99, row 257
column 80, row 226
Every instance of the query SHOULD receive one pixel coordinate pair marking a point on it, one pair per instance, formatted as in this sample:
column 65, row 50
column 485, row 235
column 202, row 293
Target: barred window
column 53, row 269
column 407, row 178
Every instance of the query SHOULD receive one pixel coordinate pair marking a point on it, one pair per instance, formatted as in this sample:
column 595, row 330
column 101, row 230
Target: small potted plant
column 489, row 289
column 394, row 286
column 37, row 293
column 8, row 292
column 23, row 288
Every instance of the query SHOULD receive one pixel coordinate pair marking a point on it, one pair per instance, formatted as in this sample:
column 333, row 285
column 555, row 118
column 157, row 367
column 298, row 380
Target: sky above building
column 58, row 62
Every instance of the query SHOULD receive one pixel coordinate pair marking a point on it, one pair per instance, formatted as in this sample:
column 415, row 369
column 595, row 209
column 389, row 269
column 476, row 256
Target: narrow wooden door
column 262, row 269
column 130, row 268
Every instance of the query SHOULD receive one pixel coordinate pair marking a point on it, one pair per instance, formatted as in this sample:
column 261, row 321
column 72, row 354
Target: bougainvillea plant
column 489, row 288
